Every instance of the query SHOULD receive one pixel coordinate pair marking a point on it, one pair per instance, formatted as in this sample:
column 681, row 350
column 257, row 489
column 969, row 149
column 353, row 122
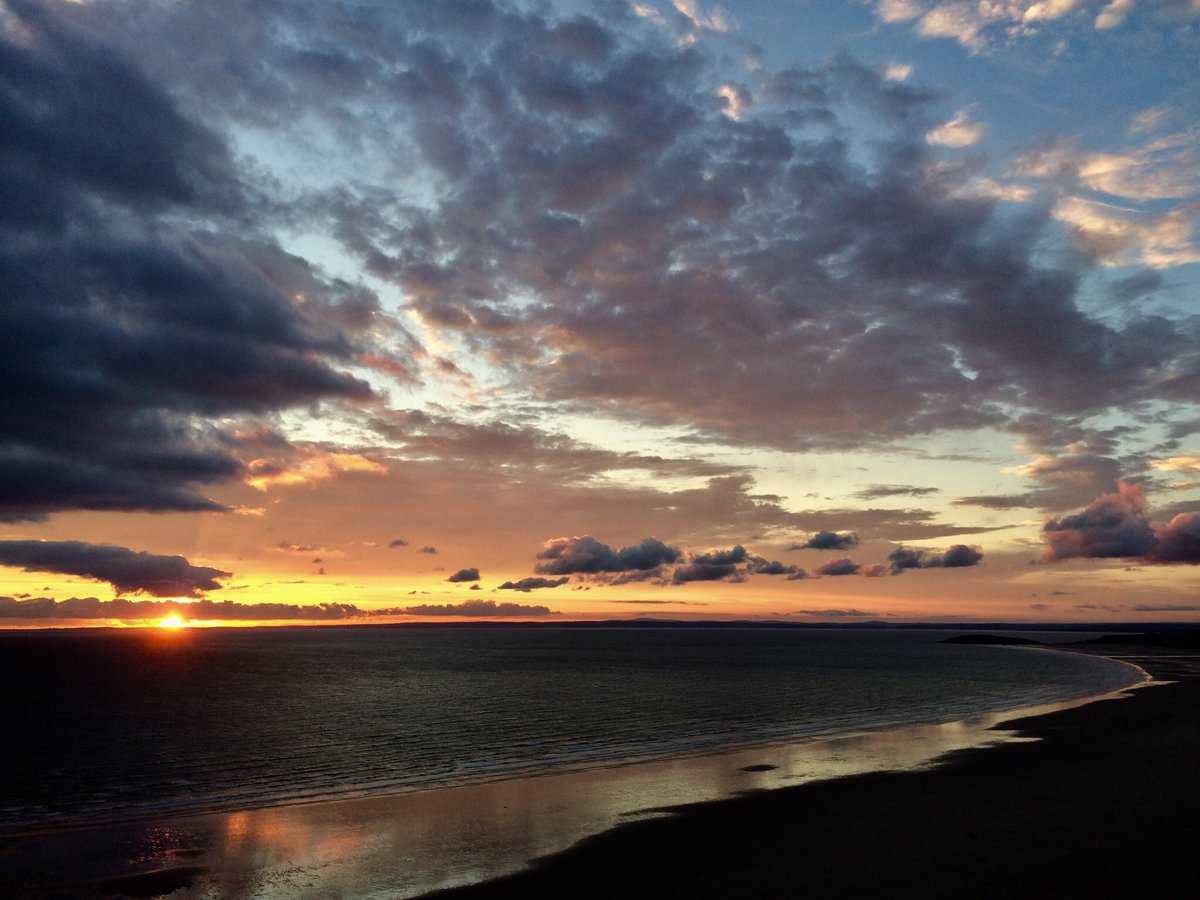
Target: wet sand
column 1106, row 801
column 1105, row 804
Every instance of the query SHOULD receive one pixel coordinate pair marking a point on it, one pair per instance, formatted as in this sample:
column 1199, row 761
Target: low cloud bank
column 91, row 608
column 128, row 571
column 475, row 608
column 202, row 610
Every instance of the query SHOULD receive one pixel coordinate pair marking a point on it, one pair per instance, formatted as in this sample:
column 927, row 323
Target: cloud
column 1114, row 14
column 1119, row 235
column 586, row 555
column 958, row 556
column 973, row 24
column 477, row 609
column 1166, row 607
column 430, row 551
column 880, row 491
column 287, row 547
column 657, row 603
column 1113, row 526
column 650, row 561
column 128, row 571
column 1117, row 526
column 828, row 540
column 713, row 20
column 463, row 575
column 398, row 542
column 757, row 565
column 1178, row 541
column 419, row 434
column 837, row 613
column 91, row 608
column 139, row 315
column 715, row 565
column 957, row 133
column 313, row 465
column 840, row 566
column 532, row 584
column 1131, row 206
column 593, row 222
column 1187, row 465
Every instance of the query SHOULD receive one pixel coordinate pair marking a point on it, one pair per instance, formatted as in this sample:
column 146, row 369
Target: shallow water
column 116, row 725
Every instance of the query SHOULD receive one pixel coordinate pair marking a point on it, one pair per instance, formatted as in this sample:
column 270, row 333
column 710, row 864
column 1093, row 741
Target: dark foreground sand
column 1106, row 804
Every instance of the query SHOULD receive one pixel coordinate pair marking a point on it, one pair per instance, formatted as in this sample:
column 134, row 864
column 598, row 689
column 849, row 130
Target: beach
column 1101, row 804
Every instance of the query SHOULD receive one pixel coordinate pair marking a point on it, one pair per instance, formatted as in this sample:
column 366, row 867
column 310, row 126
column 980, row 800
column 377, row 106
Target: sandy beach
column 1103, row 804
column 1106, row 803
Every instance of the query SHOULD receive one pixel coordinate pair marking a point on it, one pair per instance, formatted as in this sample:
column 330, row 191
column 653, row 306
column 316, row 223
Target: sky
column 810, row 311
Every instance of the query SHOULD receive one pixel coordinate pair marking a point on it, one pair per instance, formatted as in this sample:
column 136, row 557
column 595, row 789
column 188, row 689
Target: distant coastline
column 1132, row 629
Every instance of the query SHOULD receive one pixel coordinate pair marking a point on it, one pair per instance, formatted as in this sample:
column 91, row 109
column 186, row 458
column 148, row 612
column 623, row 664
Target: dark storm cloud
column 840, row 566
column 532, row 584
column 126, row 570
column 474, row 608
column 828, row 540
column 586, row 555
column 134, row 314
column 464, row 575
column 957, row 557
column 1117, row 526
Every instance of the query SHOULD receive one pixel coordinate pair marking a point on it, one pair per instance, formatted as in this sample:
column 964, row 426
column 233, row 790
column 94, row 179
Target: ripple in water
column 112, row 724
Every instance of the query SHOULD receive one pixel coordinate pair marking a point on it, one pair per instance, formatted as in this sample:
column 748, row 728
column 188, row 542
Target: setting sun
column 173, row 622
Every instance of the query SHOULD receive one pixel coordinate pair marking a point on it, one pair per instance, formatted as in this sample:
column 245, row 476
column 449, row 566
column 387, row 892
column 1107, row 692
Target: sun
column 173, row 622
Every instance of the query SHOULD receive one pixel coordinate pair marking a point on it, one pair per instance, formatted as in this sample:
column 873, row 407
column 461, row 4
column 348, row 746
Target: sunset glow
column 819, row 312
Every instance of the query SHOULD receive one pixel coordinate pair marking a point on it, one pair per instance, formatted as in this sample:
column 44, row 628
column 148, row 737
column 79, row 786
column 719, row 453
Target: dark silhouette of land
column 1002, row 640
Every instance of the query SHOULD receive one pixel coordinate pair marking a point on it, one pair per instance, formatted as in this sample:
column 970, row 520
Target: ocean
column 108, row 725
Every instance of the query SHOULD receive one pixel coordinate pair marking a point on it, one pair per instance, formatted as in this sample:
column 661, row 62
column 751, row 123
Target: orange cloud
column 316, row 466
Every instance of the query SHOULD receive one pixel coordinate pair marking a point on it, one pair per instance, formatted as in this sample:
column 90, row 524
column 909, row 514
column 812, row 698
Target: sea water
column 106, row 725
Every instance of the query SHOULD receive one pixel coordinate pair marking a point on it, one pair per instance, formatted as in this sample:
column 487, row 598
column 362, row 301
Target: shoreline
column 978, row 721
column 1094, row 800
column 356, row 845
